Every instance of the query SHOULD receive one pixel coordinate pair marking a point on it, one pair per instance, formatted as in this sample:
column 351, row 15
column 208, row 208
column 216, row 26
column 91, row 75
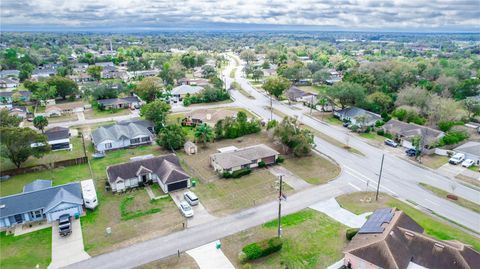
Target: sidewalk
column 333, row 210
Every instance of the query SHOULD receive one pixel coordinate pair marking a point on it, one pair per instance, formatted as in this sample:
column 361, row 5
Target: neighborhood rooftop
column 243, row 156
column 118, row 131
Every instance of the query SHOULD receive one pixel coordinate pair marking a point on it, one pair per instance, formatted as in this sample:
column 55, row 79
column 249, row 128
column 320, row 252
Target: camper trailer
column 89, row 194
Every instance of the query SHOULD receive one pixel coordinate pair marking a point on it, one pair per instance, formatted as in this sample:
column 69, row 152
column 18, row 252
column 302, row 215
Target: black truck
column 64, row 225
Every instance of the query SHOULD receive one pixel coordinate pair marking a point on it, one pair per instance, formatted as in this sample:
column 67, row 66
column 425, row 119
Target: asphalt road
column 400, row 179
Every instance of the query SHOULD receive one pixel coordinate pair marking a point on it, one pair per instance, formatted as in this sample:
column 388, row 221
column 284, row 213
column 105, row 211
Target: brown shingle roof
column 166, row 167
column 403, row 241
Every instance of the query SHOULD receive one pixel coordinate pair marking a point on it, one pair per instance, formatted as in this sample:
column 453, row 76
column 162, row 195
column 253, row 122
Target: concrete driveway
column 67, row 250
column 200, row 213
column 291, row 179
column 333, row 210
column 209, row 257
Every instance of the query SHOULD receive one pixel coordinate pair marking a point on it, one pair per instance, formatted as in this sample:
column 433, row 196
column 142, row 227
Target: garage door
column 269, row 160
column 177, row 185
column 55, row 215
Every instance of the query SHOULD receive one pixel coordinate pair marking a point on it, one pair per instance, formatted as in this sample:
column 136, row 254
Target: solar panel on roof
column 376, row 220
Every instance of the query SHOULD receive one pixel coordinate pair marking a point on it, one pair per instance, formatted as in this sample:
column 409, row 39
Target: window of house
column 108, row 145
column 36, row 214
column 135, row 141
column 146, row 139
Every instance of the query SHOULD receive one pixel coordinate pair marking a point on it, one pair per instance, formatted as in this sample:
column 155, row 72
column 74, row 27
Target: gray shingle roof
column 40, row 199
column 353, row 112
column 10, row 93
column 37, row 185
column 57, row 133
column 166, row 167
column 409, row 130
column 119, row 131
column 116, row 101
column 185, row 89
column 243, row 156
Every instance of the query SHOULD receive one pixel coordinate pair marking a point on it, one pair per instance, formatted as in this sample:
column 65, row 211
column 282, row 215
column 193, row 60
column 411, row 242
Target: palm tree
column 204, row 133
column 40, row 122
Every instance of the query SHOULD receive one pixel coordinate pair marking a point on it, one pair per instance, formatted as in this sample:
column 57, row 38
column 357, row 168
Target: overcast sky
column 403, row 15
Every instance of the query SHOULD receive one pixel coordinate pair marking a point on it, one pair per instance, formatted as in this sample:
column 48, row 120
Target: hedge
column 260, row 249
column 280, row 159
column 350, row 233
column 238, row 173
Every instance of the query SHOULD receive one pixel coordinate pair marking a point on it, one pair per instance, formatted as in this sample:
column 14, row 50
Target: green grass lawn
column 333, row 120
column 372, row 136
column 232, row 73
column 313, row 169
column 434, row 161
column 443, row 194
column 95, row 113
column 362, row 202
column 26, row 251
column 53, row 156
column 311, row 240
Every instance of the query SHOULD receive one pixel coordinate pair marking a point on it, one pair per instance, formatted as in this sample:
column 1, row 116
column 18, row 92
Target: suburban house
column 194, row 82
column 38, row 73
column 8, row 97
column 9, row 73
column 122, row 135
column 358, row 116
column 231, row 158
column 210, row 116
column 471, row 150
column 164, row 170
column 295, row 94
column 405, row 132
column 105, row 64
column 9, row 83
column 391, row 239
column 334, row 77
column 81, row 78
column 181, row 91
column 41, row 201
column 124, row 102
column 59, row 109
column 19, row 111
column 59, row 138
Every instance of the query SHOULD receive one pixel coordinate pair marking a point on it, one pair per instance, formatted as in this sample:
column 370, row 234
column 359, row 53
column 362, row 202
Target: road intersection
column 400, row 179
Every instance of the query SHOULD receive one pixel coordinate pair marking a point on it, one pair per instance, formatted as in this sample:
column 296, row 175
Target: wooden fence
column 23, row 170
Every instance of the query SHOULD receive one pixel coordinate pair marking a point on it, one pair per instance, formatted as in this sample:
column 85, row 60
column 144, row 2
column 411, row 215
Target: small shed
column 190, row 148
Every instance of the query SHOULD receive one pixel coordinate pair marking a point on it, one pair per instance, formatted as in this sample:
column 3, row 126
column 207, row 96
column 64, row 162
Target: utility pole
column 379, row 177
column 271, row 107
column 280, row 207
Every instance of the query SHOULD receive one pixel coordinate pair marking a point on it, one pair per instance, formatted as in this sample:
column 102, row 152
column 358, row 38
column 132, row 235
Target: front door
column 18, row 218
column 144, row 178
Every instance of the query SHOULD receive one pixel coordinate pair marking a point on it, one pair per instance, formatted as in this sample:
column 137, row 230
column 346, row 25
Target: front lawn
column 434, row 161
column 26, row 251
column 311, row 240
column 372, row 136
column 313, row 169
column 362, row 202
column 131, row 220
column 96, row 113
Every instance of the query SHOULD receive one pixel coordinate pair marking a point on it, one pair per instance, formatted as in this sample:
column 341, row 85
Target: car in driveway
column 191, row 198
column 391, row 143
column 467, row 163
column 457, row 158
column 64, row 225
column 186, row 209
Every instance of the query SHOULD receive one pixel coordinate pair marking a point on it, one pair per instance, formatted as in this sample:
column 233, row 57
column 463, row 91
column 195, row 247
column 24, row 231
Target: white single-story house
column 122, row 135
column 40, row 201
column 59, row 138
column 358, row 116
column 405, row 132
column 181, row 91
column 164, row 170
column 230, row 159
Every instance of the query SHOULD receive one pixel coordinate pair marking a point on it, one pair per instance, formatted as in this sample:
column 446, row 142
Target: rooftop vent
column 2, row 206
column 439, row 246
column 409, row 234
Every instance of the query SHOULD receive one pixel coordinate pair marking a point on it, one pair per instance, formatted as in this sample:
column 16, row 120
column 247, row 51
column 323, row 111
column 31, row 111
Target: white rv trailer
column 89, row 193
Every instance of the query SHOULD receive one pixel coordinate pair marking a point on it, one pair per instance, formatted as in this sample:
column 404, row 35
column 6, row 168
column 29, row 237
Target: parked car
column 391, row 143
column 411, row 152
column 457, row 158
column 191, row 198
column 346, row 124
column 186, row 209
column 467, row 163
column 64, row 225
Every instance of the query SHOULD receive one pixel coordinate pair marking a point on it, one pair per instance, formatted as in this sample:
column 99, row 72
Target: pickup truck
column 64, row 225
column 457, row 158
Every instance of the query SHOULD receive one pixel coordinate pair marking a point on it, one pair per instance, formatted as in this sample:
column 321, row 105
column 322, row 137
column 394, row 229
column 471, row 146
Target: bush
column 260, row 249
column 453, row 137
column 447, row 125
column 350, row 233
column 379, row 123
column 237, row 174
column 262, row 164
column 280, row 159
column 381, row 132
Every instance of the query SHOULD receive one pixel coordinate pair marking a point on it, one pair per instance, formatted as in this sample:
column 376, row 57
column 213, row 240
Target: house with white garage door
column 471, row 150
column 41, row 201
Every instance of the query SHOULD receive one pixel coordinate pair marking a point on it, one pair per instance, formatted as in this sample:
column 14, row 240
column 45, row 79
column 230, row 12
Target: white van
column 89, row 194
column 191, row 198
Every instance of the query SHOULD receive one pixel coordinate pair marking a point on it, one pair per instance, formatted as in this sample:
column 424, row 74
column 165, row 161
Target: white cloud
column 373, row 14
